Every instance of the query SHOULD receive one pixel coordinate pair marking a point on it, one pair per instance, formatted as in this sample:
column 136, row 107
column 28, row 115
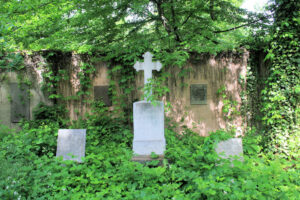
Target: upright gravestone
column 148, row 119
column 230, row 148
column 71, row 144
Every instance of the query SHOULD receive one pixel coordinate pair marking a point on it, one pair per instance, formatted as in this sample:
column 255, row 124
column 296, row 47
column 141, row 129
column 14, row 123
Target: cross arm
column 138, row 66
column 157, row 66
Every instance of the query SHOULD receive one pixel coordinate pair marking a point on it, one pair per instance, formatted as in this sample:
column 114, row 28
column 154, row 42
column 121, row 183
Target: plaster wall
column 223, row 70
column 217, row 72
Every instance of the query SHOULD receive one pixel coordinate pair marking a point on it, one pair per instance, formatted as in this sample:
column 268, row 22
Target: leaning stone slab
column 229, row 148
column 148, row 123
column 71, row 144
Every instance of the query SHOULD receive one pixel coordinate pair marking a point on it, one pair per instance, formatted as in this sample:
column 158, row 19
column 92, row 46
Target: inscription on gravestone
column 198, row 94
column 102, row 93
column 20, row 102
column 71, row 144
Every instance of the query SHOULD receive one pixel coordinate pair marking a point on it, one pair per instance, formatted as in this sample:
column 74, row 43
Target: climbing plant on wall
column 280, row 97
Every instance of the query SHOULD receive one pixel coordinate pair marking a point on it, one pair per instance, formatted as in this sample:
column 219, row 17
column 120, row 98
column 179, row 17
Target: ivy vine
column 280, row 97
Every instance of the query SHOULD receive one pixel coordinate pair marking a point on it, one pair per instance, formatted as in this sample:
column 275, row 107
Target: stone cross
column 147, row 66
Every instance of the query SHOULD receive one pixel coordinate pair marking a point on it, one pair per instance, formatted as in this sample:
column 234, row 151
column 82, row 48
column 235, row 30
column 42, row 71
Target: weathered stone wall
column 33, row 76
column 215, row 71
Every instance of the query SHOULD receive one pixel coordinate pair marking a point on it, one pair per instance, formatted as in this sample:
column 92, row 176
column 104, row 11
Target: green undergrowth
column 191, row 169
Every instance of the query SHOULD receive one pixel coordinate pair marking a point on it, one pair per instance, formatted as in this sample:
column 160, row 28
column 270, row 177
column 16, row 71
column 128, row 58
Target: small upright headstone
column 230, row 148
column 148, row 128
column 71, row 144
column 148, row 119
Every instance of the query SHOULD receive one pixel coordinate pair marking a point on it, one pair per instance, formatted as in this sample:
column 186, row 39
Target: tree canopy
column 125, row 27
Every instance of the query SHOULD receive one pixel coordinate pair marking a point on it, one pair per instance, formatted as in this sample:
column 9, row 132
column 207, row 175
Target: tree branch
column 211, row 10
column 243, row 25
column 175, row 28
column 163, row 19
column 185, row 21
column 32, row 9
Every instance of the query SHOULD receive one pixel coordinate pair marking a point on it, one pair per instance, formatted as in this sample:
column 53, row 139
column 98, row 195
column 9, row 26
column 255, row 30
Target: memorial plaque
column 102, row 93
column 71, row 144
column 20, row 102
column 198, row 94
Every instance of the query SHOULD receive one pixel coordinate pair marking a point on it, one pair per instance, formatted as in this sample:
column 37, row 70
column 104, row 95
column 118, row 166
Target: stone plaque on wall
column 20, row 102
column 198, row 94
column 102, row 93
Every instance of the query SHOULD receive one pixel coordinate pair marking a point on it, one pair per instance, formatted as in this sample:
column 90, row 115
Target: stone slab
column 198, row 94
column 20, row 102
column 5, row 105
column 148, row 124
column 71, row 142
column 102, row 93
column 231, row 147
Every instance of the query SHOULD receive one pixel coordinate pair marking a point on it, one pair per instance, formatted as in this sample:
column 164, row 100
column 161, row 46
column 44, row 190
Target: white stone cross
column 147, row 66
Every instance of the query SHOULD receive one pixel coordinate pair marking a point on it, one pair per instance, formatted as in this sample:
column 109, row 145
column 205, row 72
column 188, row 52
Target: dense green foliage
column 119, row 32
column 125, row 29
column 282, row 91
column 191, row 169
column 274, row 84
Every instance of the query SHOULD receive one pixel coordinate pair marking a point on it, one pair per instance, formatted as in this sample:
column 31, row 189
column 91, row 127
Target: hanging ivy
column 280, row 97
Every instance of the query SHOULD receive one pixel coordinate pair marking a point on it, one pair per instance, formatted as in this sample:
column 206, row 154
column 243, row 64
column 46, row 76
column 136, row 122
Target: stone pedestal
column 148, row 122
column 71, row 144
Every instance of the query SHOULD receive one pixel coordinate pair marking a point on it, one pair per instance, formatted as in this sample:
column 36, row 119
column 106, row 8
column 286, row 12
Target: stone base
column 144, row 159
column 146, row 147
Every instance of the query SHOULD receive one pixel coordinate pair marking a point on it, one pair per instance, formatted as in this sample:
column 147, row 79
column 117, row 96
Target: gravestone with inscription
column 148, row 119
column 230, row 148
column 71, row 144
